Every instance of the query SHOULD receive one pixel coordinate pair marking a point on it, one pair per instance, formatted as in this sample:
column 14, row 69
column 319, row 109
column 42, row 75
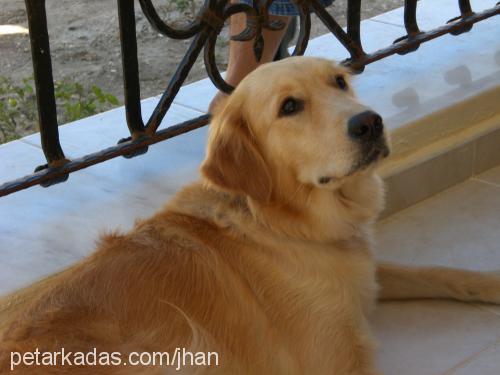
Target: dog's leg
column 403, row 282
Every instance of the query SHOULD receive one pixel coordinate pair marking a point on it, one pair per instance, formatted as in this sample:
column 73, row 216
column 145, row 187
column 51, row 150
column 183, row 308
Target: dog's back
column 187, row 278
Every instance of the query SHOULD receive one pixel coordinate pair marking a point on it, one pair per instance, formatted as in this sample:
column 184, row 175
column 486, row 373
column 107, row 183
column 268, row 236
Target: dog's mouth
column 371, row 155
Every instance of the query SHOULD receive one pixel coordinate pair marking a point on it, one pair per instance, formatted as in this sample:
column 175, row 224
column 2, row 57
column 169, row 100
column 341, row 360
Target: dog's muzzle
column 367, row 130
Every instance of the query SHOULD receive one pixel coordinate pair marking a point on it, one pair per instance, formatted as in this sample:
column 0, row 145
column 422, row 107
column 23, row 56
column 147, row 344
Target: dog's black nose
column 365, row 126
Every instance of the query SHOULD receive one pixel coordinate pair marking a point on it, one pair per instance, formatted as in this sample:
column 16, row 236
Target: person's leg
column 241, row 56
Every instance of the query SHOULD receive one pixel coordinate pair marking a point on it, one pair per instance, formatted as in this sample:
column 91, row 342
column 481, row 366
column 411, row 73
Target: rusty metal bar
column 354, row 21
column 125, row 148
column 409, row 44
column 410, row 17
column 465, row 8
column 465, row 11
column 44, row 82
column 130, row 65
column 350, row 45
column 411, row 26
column 304, row 30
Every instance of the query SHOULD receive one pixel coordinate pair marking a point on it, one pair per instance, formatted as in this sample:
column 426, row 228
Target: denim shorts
column 285, row 7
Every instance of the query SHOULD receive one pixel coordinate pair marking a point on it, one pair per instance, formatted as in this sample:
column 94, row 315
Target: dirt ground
column 85, row 41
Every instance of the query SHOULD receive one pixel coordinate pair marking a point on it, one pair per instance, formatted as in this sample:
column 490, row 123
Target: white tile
column 104, row 130
column 491, row 176
column 197, row 95
column 486, row 362
column 43, row 230
column 431, row 337
column 18, row 159
column 165, row 161
column 494, row 309
column 429, row 17
column 373, row 35
column 456, row 228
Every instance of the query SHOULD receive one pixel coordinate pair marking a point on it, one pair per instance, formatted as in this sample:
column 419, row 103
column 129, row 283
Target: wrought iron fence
column 203, row 31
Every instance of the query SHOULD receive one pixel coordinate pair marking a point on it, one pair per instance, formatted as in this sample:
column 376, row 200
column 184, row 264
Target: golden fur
column 259, row 260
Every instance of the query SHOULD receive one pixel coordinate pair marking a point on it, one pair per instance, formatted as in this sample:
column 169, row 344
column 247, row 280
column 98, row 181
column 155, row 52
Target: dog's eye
column 291, row 106
column 340, row 82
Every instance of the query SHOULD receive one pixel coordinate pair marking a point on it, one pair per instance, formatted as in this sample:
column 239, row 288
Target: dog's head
column 297, row 119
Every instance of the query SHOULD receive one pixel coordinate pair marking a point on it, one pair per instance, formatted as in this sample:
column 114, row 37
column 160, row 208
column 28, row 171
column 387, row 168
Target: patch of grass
column 18, row 112
column 78, row 101
column 17, row 109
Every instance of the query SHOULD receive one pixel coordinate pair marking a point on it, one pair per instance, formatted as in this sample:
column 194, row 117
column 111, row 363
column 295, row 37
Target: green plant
column 18, row 113
column 79, row 101
column 17, row 108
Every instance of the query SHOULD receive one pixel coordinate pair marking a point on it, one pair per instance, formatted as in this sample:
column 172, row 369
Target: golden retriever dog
column 266, row 260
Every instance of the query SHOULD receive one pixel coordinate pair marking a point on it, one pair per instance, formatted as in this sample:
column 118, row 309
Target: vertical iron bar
column 411, row 26
column 465, row 8
column 354, row 21
column 304, row 31
column 352, row 47
column 130, row 64
column 410, row 17
column 44, row 82
column 465, row 11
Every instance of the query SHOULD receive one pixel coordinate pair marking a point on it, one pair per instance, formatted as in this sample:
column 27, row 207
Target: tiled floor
column 457, row 228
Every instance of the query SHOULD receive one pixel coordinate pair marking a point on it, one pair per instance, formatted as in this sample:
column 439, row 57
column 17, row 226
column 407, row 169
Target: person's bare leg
column 241, row 56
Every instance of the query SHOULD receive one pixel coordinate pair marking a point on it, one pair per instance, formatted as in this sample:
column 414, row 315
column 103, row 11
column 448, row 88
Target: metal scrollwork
column 203, row 31
column 304, row 27
column 210, row 21
column 256, row 22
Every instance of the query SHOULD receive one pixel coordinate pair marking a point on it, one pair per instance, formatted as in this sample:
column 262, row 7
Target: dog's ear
column 234, row 161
